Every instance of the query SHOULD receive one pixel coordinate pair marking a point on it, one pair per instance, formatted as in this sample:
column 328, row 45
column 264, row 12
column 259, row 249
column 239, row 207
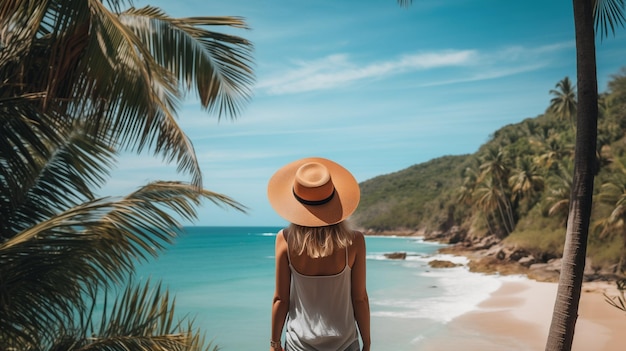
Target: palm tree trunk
column 508, row 219
column 622, row 258
column 565, row 311
column 509, row 212
column 488, row 220
column 506, row 214
column 505, row 221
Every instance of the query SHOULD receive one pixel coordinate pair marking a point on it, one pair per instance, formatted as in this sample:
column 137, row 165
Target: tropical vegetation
column 516, row 186
column 82, row 81
column 590, row 18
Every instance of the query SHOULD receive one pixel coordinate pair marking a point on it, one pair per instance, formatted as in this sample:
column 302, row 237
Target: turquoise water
column 224, row 278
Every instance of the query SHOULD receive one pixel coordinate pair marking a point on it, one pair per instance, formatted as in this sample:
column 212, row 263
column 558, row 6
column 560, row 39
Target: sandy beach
column 518, row 315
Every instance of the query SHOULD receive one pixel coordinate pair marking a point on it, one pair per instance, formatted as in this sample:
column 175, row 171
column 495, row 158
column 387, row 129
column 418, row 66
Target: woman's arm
column 280, row 305
column 360, row 300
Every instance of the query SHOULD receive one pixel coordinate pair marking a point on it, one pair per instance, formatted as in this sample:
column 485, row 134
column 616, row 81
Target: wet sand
column 517, row 317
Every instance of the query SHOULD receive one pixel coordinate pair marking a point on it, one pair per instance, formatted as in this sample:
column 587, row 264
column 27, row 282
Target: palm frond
column 101, row 240
column 141, row 318
column 126, row 72
column 26, row 138
column 609, row 14
column 139, row 98
column 619, row 301
column 19, row 24
column 405, row 3
column 50, row 166
column 218, row 64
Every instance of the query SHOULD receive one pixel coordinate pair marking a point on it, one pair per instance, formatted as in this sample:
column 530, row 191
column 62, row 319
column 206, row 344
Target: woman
column 320, row 297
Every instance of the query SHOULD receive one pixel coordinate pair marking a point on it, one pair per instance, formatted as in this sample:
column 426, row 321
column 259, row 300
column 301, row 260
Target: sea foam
column 451, row 291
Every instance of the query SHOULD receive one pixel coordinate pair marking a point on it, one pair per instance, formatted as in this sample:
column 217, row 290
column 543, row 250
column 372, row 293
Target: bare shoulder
column 357, row 250
column 358, row 235
column 359, row 239
column 281, row 242
column 281, row 250
column 280, row 235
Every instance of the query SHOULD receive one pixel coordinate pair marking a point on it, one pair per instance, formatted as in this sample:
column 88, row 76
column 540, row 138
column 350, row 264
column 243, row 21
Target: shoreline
column 391, row 233
column 518, row 315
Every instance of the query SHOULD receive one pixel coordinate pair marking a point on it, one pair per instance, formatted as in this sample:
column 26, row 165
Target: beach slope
column 517, row 317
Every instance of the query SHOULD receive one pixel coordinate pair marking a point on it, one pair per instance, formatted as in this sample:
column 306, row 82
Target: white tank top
column 321, row 316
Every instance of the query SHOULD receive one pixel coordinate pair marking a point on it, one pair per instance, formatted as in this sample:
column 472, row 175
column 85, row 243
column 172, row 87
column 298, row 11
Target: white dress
column 321, row 316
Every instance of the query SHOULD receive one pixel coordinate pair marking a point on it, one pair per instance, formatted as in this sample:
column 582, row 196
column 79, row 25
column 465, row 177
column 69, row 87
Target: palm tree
column 555, row 150
column 526, row 179
column 492, row 203
column 79, row 83
column 606, row 14
column 559, row 188
column 613, row 193
column 495, row 170
column 611, row 121
column 470, row 179
column 495, row 164
column 617, row 88
column 563, row 104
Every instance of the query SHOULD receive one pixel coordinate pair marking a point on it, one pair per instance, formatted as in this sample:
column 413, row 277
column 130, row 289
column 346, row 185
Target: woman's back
column 321, row 316
column 320, row 266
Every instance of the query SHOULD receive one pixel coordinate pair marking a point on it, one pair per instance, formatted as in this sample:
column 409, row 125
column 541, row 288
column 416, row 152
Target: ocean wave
column 420, row 240
column 458, row 291
column 452, row 258
column 380, row 256
column 391, row 236
column 418, row 256
column 265, row 234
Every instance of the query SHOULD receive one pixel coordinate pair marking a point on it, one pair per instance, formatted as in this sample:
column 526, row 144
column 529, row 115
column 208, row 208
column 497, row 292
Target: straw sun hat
column 313, row 192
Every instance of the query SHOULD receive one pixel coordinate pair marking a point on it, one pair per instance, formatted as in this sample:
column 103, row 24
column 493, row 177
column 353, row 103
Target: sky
column 371, row 85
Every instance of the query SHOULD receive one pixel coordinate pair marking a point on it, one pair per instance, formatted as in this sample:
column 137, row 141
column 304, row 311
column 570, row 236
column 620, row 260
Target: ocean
column 223, row 278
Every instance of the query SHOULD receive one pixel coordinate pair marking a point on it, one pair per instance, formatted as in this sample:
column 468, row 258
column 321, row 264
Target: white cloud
column 340, row 69
column 496, row 72
column 337, row 70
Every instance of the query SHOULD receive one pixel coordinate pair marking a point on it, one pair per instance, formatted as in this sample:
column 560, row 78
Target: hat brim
column 339, row 208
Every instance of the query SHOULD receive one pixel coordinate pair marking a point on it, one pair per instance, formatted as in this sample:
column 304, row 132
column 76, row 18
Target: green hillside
column 516, row 185
column 418, row 197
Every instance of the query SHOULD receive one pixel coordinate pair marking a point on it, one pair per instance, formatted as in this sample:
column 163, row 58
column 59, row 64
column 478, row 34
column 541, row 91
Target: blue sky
column 370, row 85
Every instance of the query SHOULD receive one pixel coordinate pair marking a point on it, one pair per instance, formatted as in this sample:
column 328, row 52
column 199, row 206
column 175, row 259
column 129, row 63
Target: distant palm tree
column 559, row 187
column 555, row 150
column 495, row 164
column 80, row 82
column 495, row 170
column 610, row 108
column 603, row 104
column 563, row 104
column 478, row 192
column 470, row 179
column 526, row 179
column 617, row 88
column 613, row 193
column 531, row 128
column 492, row 203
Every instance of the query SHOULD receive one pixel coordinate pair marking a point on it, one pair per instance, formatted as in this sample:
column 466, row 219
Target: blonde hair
column 319, row 241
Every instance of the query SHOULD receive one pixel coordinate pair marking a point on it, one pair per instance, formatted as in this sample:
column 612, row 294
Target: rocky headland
column 492, row 255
